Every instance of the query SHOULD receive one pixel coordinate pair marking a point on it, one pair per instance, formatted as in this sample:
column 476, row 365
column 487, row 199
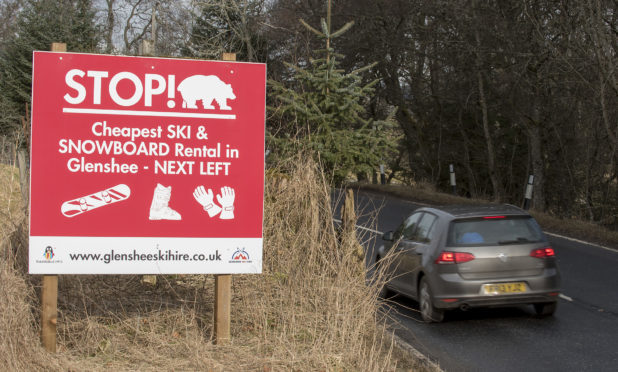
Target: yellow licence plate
column 504, row 288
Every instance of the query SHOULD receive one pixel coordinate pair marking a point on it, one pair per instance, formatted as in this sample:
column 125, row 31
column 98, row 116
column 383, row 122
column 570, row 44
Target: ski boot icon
column 159, row 208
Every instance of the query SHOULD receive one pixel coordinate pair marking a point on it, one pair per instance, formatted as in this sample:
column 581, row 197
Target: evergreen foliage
column 226, row 26
column 322, row 109
column 40, row 23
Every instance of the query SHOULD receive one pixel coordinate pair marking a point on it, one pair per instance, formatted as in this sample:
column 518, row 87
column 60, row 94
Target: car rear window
column 494, row 231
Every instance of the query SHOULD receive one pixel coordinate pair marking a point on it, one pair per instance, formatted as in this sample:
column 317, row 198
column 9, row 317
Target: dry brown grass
column 310, row 310
column 11, row 205
column 19, row 350
column 19, row 342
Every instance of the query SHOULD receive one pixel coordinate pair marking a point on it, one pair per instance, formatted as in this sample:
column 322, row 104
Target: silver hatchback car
column 471, row 256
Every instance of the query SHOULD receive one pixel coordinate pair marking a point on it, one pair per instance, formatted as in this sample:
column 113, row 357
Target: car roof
column 478, row 210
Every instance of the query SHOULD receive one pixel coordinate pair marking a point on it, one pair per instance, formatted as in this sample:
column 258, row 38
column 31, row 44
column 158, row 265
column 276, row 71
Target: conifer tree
column 211, row 35
column 227, row 26
column 322, row 108
column 39, row 24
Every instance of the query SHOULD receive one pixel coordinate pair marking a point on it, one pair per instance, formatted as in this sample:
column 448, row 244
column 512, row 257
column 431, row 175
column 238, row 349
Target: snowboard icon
column 98, row 199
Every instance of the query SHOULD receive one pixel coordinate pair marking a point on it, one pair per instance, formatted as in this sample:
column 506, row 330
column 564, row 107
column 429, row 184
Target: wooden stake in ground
column 348, row 228
column 223, row 287
column 23, row 175
column 49, row 291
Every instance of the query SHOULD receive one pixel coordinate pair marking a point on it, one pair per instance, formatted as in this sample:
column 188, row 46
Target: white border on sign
column 111, row 255
column 148, row 57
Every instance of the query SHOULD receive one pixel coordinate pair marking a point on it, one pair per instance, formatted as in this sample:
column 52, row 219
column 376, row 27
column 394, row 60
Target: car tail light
column 449, row 300
column 454, row 257
column 543, row 252
column 493, row 217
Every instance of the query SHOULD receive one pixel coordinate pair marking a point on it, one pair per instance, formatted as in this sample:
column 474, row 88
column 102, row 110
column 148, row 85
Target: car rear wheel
column 429, row 313
column 545, row 309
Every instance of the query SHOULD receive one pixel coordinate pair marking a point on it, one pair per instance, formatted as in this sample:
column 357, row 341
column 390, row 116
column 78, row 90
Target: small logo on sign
column 240, row 256
column 49, row 253
column 49, row 256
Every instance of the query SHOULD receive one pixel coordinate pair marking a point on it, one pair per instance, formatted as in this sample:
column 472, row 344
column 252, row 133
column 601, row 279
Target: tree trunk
column 109, row 44
column 406, row 126
column 471, row 179
column 491, row 157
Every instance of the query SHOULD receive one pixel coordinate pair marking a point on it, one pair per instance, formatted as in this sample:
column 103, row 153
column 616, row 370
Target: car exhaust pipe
column 464, row 307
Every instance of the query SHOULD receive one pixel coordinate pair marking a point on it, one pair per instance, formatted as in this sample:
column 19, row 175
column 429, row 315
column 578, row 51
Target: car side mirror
column 388, row 236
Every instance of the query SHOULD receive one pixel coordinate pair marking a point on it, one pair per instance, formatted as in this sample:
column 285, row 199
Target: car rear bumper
column 451, row 291
column 495, row 301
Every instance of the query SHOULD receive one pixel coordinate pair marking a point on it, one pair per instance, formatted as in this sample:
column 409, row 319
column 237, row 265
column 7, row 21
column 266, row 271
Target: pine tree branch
column 342, row 30
column 311, row 28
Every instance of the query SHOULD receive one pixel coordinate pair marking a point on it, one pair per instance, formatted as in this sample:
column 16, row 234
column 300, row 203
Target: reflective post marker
column 528, row 196
column 451, row 170
column 382, row 175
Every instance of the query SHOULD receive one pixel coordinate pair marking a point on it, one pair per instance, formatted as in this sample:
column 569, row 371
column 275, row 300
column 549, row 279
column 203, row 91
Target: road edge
column 402, row 344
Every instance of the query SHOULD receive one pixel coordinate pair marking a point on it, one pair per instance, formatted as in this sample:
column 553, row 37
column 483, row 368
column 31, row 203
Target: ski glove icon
column 226, row 199
column 206, row 200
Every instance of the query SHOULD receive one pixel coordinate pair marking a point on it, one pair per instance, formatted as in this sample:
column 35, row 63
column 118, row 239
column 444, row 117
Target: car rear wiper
column 515, row 241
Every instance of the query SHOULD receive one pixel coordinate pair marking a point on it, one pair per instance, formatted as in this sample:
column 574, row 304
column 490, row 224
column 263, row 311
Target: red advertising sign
column 146, row 165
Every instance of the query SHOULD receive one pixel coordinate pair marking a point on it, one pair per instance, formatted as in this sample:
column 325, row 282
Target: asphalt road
column 581, row 336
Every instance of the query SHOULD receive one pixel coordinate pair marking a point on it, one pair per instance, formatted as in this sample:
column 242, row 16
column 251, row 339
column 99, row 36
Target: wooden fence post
column 348, row 228
column 223, row 287
column 49, row 290
column 23, row 175
column 348, row 214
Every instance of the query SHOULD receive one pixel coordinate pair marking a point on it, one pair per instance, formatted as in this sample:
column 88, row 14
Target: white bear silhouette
column 206, row 88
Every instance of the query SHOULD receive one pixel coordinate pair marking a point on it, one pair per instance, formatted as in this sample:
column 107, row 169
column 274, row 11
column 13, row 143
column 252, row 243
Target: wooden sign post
column 49, row 290
column 223, row 299
column 49, row 312
column 223, row 287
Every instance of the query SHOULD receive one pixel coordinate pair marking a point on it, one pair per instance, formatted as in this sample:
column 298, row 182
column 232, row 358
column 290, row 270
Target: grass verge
column 310, row 310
